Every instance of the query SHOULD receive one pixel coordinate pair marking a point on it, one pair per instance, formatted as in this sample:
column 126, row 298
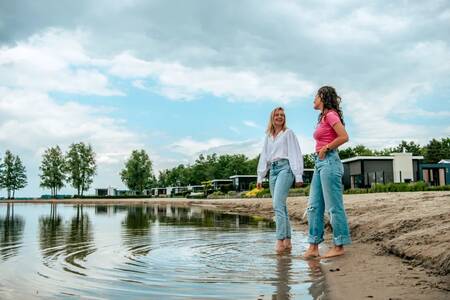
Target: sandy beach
column 401, row 241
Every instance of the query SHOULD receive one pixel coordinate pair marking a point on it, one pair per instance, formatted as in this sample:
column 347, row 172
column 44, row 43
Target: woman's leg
column 281, row 187
column 279, row 246
column 331, row 178
column 315, row 210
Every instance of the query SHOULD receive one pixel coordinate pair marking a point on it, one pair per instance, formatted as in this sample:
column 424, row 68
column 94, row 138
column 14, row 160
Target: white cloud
column 190, row 147
column 179, row 82
column 234, row 129
column 251, row 124
column 53, row 61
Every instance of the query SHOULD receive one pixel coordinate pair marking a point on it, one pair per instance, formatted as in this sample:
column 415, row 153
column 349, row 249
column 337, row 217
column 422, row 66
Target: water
column 146, row 252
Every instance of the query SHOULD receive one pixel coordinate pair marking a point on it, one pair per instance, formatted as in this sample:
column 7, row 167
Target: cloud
column 178, row 82
column 190, row 147
column 251, row 124
column 54, row 61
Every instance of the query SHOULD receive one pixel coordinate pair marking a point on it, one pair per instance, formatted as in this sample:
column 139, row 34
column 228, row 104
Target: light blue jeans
column 326, row 194
column 280, row 180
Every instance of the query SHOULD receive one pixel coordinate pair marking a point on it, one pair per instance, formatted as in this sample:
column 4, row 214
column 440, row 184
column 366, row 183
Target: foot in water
column 287, row 244
column 279, row 246
column 335, row 251
column 312, row 252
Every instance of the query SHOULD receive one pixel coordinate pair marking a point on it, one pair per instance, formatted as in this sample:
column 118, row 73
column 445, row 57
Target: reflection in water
column 148, row 252
column 79, row 240
column 193, row 216
column 51, row 234
column 137, row 226
column 317, row 287
column 11, row 231
column 283, row 277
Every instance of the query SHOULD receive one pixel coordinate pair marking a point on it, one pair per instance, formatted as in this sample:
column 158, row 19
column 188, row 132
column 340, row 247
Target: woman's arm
column 295, row 158
column 262, row 165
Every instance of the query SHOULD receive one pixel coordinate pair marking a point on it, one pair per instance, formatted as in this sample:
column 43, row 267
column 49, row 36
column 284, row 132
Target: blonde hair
column 271, row 126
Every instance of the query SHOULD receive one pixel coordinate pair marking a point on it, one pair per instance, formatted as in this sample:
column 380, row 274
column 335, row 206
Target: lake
column 61, row 251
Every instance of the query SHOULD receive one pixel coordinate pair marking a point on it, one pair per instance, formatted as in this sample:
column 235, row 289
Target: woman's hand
column 259, row 185
column 298, row 184
column 322, row 152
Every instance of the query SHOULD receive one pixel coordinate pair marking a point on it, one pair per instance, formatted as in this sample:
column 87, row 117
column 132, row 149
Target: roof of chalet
column 374, row 158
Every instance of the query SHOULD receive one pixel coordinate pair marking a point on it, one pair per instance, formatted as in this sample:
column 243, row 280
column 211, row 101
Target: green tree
column 308, row 161
column 13, row 174
column 346, row 153
column 53, row 168
column 81, row 166
column 138, row 173
column 437, row 150
column 410, row 147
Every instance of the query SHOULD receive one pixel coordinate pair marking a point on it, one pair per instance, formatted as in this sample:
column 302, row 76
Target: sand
column 400, row 249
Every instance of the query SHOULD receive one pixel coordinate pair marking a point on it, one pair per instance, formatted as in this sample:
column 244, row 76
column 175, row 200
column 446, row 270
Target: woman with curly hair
column 326, row 185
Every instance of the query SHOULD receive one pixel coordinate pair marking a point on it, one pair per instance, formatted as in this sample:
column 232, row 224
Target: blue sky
column 183, row 78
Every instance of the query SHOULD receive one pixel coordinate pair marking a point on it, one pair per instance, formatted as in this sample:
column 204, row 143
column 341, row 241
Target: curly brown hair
column 331, row 101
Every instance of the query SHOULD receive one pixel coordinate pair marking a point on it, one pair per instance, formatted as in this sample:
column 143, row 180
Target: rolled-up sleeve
column 295, row 156
column 262, row 163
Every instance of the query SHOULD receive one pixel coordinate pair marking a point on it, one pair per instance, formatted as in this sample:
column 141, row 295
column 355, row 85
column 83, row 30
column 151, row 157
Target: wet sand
column 401, row 241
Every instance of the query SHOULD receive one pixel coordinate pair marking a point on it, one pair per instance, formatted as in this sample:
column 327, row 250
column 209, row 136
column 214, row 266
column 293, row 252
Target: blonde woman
column 281, row 155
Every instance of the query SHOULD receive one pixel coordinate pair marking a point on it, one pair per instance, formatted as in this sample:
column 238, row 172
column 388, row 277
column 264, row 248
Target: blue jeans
column 280, row 180
column 326, row 193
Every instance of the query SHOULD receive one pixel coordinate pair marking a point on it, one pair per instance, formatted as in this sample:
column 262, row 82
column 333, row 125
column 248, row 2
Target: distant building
column 242, row 182
column 176, row 190
column 159, row 192
column 104, row 192
column 196, row 188
column 218, row 184
column 363, row 171
column 436, row 174
column 308, row 175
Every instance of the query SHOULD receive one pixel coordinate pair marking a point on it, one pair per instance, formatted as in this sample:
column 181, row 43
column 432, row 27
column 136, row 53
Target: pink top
column 325, row 133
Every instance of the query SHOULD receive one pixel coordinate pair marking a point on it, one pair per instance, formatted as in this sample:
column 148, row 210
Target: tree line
column 77, row 167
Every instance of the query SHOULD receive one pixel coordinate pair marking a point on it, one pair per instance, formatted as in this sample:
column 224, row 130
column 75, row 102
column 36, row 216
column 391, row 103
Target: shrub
column 303, row 191
column 257, row 193
column 398, row 187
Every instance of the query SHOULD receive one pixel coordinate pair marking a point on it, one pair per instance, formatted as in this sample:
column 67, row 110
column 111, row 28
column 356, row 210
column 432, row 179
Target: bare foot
column 279, row 246
column 312, row 252
column 287, row 244
column 335, row 251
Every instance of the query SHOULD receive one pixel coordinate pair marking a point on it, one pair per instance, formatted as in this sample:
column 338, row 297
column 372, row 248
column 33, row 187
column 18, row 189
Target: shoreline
column 401, row 241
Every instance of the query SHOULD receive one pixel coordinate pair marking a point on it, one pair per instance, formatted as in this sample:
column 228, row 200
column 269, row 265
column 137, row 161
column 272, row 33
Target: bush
column 232, row 193
column 398, row 187
column 196, row 196
column 265, row 185
column 257, row 193
column 303, row 191
column 356, row 191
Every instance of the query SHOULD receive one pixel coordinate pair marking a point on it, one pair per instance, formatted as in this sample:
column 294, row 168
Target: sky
column 180, row 78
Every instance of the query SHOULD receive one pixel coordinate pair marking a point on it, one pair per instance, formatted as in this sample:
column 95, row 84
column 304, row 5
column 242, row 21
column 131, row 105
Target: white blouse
column 283, row 146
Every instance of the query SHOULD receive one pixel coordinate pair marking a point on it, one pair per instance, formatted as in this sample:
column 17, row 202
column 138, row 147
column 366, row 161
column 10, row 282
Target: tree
column 410, row 147
column 308, row 161
column 138, row 172
column 346, row 153
column 437, row 150
column 81, row 166
column 12, row 174
column 53, row 169
column 19, row 174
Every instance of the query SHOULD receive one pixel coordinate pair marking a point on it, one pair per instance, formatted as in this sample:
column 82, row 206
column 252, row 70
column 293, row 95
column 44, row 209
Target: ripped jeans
column 326, row 194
